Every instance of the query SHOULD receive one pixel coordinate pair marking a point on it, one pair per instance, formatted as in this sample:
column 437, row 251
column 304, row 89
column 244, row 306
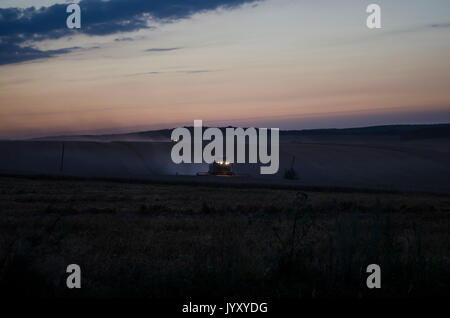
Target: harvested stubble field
column 171, row 241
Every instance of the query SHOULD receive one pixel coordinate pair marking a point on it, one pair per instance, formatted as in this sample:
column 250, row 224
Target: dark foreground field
column 173, row 241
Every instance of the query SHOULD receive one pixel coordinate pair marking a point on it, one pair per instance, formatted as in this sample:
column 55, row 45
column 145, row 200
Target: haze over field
column 411, row 158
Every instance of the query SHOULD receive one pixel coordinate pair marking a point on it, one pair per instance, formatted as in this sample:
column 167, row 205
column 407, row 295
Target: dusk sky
column 291, row 64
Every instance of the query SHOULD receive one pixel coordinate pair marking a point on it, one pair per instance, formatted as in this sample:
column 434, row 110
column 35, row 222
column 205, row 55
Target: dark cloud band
column 18, row 26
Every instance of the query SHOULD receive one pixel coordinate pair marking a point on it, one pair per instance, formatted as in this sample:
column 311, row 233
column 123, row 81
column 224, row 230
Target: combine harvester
column 220, row 169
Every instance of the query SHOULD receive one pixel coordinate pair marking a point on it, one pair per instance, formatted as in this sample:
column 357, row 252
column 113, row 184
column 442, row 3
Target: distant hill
column 400, row 131
column 408, row 131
